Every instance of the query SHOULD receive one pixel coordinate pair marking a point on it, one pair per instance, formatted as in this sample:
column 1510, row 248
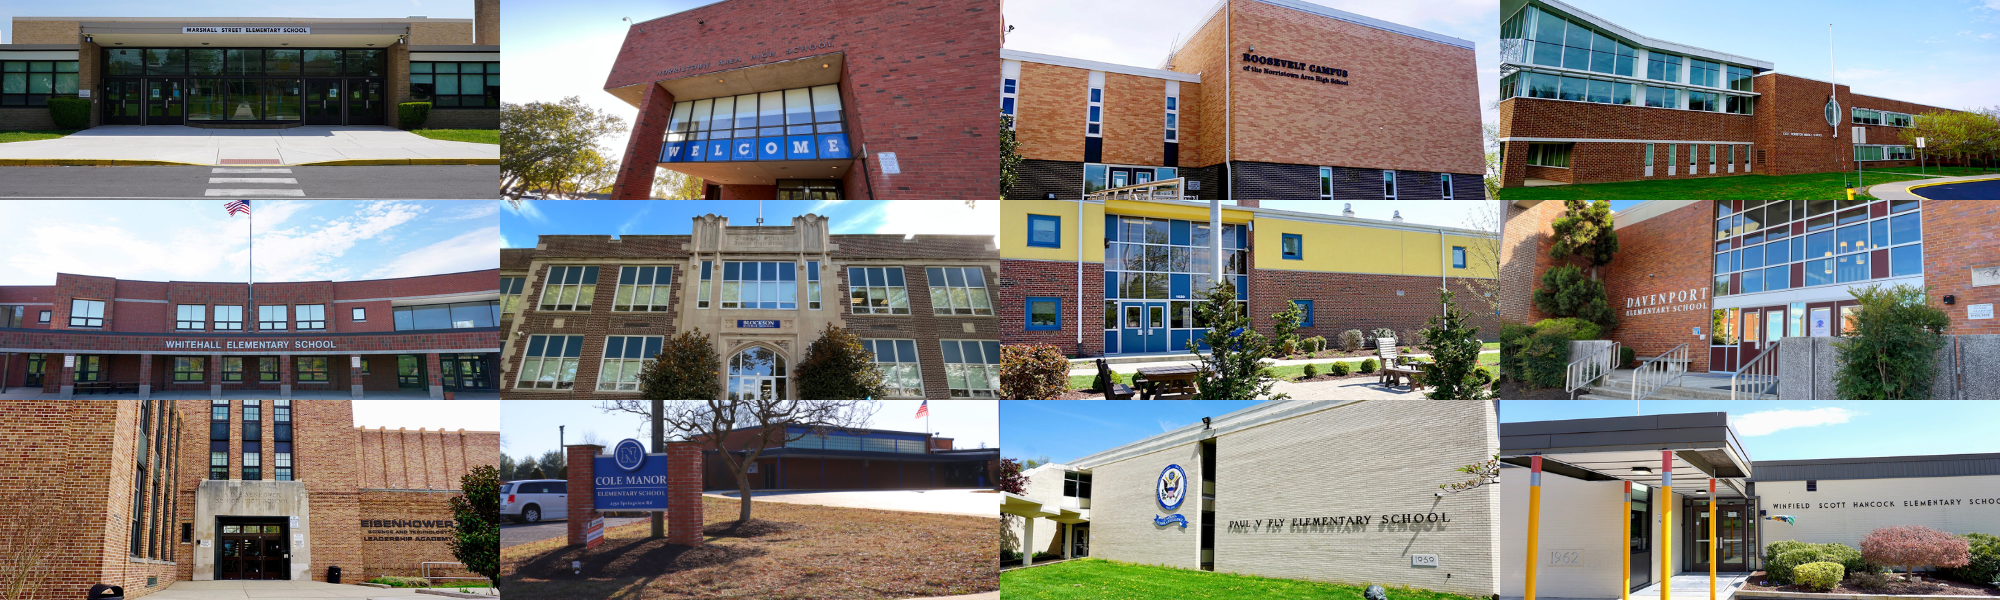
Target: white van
column 534, row 500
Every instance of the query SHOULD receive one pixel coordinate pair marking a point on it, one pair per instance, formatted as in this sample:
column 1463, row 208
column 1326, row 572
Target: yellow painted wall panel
column 1014, row 230
column 1421, row 254
column 1172, row 211
column 1473, row 266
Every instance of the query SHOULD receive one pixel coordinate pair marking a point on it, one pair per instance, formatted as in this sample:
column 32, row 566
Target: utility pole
column 659, row 441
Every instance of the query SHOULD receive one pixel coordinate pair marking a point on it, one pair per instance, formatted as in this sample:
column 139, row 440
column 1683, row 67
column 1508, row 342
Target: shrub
column 1312, row 370
column 1868, row 580
column 1568, row 292
column 1314, row 344
column 413, row 114
column 1285, row 326
column 1984, row 564
column 1913, row 546
column 70, row 113
column 1779, row 566
column 1350, row 340
column 1627, row 356
column 1381, row 332
column 1233, row 368
column 1341, row 369
column 1033, row 372
column 1513, row 339
column 1576, row 329
column 1454, row 348
column 1370, row 366
column 1819, row 576
column 1891, row 353
column 838, row 367
column 1544, row 359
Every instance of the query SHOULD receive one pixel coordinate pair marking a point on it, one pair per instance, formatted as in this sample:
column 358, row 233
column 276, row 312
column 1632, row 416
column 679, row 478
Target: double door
column 342, row 102
column 252, row 549
column 465, row 372
column 1732, row 534
column 1143, row 327
column 1124, row 176
column 150, row 101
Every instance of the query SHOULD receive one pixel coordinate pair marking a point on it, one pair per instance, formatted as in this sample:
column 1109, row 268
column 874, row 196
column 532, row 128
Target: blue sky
column 1067, row 430
column 555, row 49
column 354, row 9
column 676, row 217
column 195, row 240
column 1793, row 430
column 528, row 427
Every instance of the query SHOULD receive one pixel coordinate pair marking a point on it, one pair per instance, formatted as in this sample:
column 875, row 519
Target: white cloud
column 528, row 211
column 940, row 217
column 113, row 251
column 1772, row 421
column 469, row 210
column 298, row 254
column 1166, row 426
column 470, row 251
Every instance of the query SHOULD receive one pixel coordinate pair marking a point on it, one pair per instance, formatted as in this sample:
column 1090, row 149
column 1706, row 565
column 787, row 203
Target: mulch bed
column 1330, row 377
column 1515, row 390
column 786, row 552
column 1365, row 353
column 1927, row 586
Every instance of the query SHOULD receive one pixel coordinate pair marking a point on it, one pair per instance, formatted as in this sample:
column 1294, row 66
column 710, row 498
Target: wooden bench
column 1386, row 349
column 92, row 387
column 125, row 387
column 1112, row 391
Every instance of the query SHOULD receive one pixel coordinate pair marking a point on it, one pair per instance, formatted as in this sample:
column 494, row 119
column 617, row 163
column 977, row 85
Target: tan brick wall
column 486, row 22
column 1123, row 506
column 401, row 529
column 440, row 34
column 46, row 32
column 87, row 78
column 422, row 460
column 398, row 82
column 1053, row 107
column 1135, row 128
column 1202, row 139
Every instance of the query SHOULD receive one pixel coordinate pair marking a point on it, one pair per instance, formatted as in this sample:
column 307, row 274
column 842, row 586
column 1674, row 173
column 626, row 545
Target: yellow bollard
column 1534, row 520
column 1626, row 594
column 1666, row 525
column 1711, row 538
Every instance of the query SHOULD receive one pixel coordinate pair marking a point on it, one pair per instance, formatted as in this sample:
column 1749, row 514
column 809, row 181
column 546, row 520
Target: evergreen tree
column 838, row 367
column 475, row 539
column 1585, row 231
column 1454, row 346
column 1286, row 327
column 687, row 368
column 1233, row 369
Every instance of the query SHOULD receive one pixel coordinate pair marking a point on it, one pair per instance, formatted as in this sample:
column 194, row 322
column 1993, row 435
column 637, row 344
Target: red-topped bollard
column 582, row 494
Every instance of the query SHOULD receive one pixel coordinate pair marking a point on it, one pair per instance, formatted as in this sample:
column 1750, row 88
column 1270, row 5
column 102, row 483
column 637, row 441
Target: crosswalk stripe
column 247, row 170
column 255, row 192
column 277, row 180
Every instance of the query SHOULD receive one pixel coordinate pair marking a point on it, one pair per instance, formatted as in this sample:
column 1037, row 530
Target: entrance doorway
column 322, row 106
column 1144, row 326
column 36, row 364
column 164, row 103
column 1641, row 523
column 364, row 102
column 1079, row 545
column 252, row 549
column 808, row 189
column 464, row 372
column 124, row 102
column 1731, row 533
column 410, row 372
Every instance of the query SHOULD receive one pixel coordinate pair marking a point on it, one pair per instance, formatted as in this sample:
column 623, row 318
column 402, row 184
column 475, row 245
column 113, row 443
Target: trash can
column 333, row 574
column 106, row 592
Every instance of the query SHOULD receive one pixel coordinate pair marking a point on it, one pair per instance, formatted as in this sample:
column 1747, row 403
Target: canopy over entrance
column 1628, row 449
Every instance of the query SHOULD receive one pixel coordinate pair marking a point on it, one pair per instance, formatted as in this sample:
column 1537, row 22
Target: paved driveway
column 291, row 146
column 978, row 503
column 274, row 590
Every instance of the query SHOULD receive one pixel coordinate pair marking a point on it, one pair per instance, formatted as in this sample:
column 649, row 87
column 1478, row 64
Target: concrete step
column 1623, row 390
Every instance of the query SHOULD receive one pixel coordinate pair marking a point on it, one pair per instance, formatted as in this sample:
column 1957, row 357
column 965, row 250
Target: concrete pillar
column 1069, row 538
column 1027, row 541
column 67, row 381
column 285, row 376
column 354, row 375
column 684, row 482
column 642, row 150
column 582, row 493
column 433, row 378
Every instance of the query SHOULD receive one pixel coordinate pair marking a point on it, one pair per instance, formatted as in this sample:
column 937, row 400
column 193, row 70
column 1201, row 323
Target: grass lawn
column 15, row 135
column 1809, row 186
column 1097, row 579
column 477, row 136
column 1937, row 170
column 787, row 552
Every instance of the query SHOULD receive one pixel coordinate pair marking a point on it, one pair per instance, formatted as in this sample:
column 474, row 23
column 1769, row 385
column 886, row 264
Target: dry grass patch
column 788, row 552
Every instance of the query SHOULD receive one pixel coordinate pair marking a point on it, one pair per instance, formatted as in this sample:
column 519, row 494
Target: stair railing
column 1758, row 379
column 1660, row 371
column 1590, row 369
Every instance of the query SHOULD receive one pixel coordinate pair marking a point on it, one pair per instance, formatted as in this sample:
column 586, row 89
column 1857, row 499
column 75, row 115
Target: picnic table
column 1168, row 383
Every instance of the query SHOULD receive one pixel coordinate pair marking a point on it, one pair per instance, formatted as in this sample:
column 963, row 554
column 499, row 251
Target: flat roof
column 1879, row 467
column 1648, row 42
column 1704, row 447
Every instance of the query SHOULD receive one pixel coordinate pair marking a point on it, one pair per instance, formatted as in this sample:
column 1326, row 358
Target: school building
column 802, row 458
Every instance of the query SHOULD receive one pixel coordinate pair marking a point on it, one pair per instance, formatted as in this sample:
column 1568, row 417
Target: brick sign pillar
column 684, row 493
column 354, row 374
column 145, row 376
column 582, row 488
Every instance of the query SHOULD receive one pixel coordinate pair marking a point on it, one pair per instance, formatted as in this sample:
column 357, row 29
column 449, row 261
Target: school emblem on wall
column 1172, row 487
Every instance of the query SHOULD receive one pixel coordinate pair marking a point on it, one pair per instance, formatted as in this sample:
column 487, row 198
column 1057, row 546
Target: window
column 311, row 316
column 550, row 362
column 1077, row 485
column 86, row 313
column 271, row 317
column 1326, row 183
column 571, row 288
column 1044, row 231
column 1663, row 67
column 228, row 318
column 42, row 318
column 218, row 439
column 1864, row 116
column 971, row 367
column 812, row 285
column 1897, row 152
column 1307, row 306
column 701, row 294
column 1292, row 246
column 1173, row 111
column 897, row 360
column 281, row 440
column 1649, row 160
column 643, row 289
column 510, row 293
column 1096, row 117
column 457, row 315
column 1659, row 97
column 1548, row 155
column 32, row 83
column 1702, row 101
column 959, row 291
column 1044, row 313
column 189, row 369
column 763, row 285
column 1704, row 73
column 1739, row 78
column 1740, row 105
column 1458, row 257
column 757, row 373
column 267, row 370
column 311, row 369
column 253, row 440
column 876, row 290
column 456, row 84
column 1812, row 485
column 624, row 358
column 1388, row 185
column 1895, row 119
column 1008, row 91
column 1868, row 153
column 793, row 124
column 359, row 315
column 232, row 369
column 191, row 316
column 1444, row 183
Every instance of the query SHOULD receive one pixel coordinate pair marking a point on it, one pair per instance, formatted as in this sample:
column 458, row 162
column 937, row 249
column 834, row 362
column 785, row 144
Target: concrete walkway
column 293, row 146
column 1182, row 361
column 274, row 590
column 993, row 595
column 976, row 503
column 1359, row 388
column 1900, row 190
column 1686, row 585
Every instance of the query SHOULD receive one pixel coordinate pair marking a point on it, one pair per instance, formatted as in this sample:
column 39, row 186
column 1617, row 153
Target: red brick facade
column 1959, row 237
column 1021, row 279
column 1665, row 263
column 1524, row 255
column 684, row 515
column 1800, row 106
column 1358, row 301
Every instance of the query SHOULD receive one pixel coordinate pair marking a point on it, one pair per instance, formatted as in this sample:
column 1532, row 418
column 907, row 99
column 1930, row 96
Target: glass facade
column 794, row 124
column 1535, row 37
column 455, row 84
column 1790, row 244
column 456, row 315
column 1168, row 261
column 33, row 82
column 170, row 85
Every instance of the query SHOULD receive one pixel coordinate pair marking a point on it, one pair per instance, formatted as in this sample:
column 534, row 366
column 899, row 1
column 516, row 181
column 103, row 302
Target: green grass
column 1809, row 186
column 1097, row 579
column 15, row 135
column 1937, row 170
column 477, row 136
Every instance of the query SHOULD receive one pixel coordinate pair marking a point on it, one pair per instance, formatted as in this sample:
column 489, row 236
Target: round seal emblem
column 1172, row 487
column 629, row 454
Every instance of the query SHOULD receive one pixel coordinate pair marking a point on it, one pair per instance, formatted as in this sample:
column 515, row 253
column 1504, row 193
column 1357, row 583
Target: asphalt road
column 399, row 182
column 1971, row 190
column 513, row 534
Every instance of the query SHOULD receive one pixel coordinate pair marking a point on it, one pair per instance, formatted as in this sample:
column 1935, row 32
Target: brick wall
column 1958, row 237
column 1524, row 255
column 26, row 118
column 1135, row 127
column 1203, row 133
column 464, row 118
column 1052, row 111
column 1666, row 254
column 1344, row 301
column 1597, row 162
column 400, row 529
column 1020, row 279
column 441, row 34
column 45, row 32
column 422, row 460
column 486, row 22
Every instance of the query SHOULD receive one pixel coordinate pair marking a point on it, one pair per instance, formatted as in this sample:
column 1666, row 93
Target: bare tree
column 1483, row 251
column 760, row 423
column 31, row 557
column 591, row 437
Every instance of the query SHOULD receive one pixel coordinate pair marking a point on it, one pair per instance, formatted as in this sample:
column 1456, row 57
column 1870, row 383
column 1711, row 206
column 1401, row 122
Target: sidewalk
column 1900, row 190
column 180, row 144
column 1133, row 367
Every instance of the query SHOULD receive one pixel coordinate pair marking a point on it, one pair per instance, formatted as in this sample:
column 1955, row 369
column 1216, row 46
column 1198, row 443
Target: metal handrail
column 1757, row 379
column 1596, row 366
column 1164, row 189
column 1659, row 372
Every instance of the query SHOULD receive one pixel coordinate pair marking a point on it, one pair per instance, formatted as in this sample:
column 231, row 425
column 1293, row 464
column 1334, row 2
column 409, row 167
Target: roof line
column 1064, row 61
column 1652, row 42
column 1850, row 90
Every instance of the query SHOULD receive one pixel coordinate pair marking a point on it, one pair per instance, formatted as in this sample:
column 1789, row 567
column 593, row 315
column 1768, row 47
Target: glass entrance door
column 164, row 103
column 252, row 550
column 1080, row 540
column 36, row 364
column 364, row 101
column 1731, row 533
column 323, row 102
column 465, row 372
column 1641, row 523
column 124, row 102
column 1145, row 327
column 409, row 372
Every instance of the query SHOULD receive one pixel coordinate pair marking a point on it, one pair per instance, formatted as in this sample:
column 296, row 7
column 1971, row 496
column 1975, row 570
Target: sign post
column 1920, row 156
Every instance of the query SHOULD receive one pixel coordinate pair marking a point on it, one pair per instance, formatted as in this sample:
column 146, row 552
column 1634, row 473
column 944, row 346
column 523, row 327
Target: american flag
column 924, row 410
column 237, row 206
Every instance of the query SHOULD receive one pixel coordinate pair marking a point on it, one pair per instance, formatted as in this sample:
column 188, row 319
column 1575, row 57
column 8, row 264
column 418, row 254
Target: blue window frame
column 1308, row 304
column 1044, row 313
column 1294, row 246
column 1044, row 231
column 1458, row 257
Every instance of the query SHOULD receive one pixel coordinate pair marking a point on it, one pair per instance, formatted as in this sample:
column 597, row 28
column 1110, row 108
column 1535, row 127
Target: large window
column 1044, row 313
column 232, row 369
column 1550, row 40
column 189, row 369
column 218, row 439
column 642, row 289
column 191, row 316
column 1661, row 66
column 569, row 288
column 1169, row 260
column 877, row 291
column 253, row 440
column 242, row 84
column 271, row 317
column 1864, row 116
column 624, row 358
column 1095, row 118
column 812, row 285
column 971, row 367
column 86, row 313
column 510, row 293
column 1044, row 231
column 765, row 285
column 898, row 362
column 1883, row 153
column 456, row 84
column 1549, row 155
column 281, row 440
column 228, row 318
column 959, row 291
column 311, row 316
column 32, row 83
column 550, row 362
column 1173, row 112
column 794, row 124
column 89, row 367
column 1739, row 78
column 757, row 373
column 1704, row 73
column 1843, row 243
column 1702, row 101
column 311, row 369
column 702, row 293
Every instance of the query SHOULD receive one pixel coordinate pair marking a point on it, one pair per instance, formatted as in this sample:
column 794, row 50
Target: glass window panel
column 1753, row 281
column 1906, row 228
column 1573, row 88
column 1879, row 233
column 1819, row 272
column 826, row 103
column 1906, row 260
column 447, row 85
column 1778, row 278
column 1851, row 268
column 281, row 61
column 746, row 111
column 1852, row 239
column 1600, row 91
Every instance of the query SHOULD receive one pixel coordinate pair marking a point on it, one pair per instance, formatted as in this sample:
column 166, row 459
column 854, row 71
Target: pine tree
column 838, row 367
column 1586, row 230
column 1454, row 346
column 1233, row 369
column 687, row 368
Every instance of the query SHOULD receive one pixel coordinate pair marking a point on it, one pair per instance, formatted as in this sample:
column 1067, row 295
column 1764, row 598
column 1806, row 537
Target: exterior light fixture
column 86, row 38
column 825, row 65
column 1205, row 423
column 1643, row 470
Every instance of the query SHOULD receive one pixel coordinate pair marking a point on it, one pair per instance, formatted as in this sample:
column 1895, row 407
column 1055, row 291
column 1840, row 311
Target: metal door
column 464, row 372
column 410, row 372
column 364, row 102
column 1753, row 338
column 1641, row 523
column 322, row 102
column 1079, row 540
column 1730, row 532
column 124, row 102
column 36, row 364
column 252, row 550
column 1144, row 327
column 164, row 102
